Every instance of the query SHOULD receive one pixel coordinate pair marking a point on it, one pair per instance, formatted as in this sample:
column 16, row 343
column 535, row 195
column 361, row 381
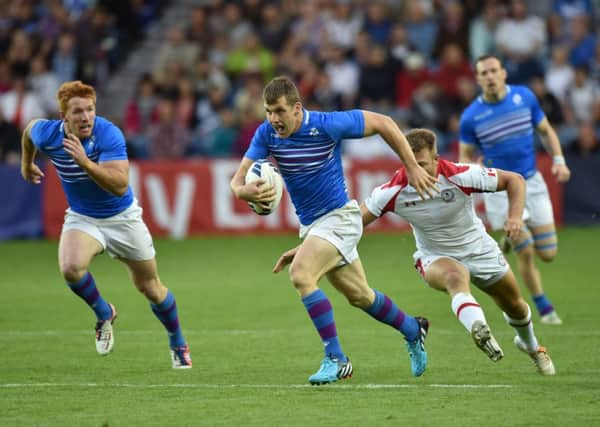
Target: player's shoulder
column 522, row 91
column 472, row 109
column 398, row 179
column 44, row 130
column 449, row 169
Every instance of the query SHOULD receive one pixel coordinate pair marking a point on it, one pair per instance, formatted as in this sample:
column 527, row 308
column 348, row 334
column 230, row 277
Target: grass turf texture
column 254, row 346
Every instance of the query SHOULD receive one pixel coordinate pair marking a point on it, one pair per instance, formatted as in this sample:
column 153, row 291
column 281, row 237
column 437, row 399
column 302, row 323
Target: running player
column 306, row 146
column 90, row 158
column 501, row 123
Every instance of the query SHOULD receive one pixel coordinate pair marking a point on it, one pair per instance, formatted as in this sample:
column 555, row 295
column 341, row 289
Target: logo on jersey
column 488, row 172
column 501, row 260
column 483, row 115
column 313, row 132
column 448, row 196
column 517, row 99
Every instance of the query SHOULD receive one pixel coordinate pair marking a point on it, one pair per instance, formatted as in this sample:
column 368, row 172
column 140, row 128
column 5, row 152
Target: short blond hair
column 73, row 89
column 420, row 139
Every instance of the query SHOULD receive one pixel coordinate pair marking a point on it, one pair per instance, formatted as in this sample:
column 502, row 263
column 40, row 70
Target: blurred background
column 183, row 79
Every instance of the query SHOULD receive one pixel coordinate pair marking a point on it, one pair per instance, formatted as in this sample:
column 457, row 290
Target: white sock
column 524, row 329
column 467, row 309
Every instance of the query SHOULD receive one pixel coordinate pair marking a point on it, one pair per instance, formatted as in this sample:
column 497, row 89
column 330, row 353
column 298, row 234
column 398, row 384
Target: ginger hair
column 73, row 89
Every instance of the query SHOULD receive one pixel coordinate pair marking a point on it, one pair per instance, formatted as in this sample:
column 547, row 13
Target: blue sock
column 321, row 313
column 166, row 312
column 543, row 304
column 386, row 311
column 86, row 289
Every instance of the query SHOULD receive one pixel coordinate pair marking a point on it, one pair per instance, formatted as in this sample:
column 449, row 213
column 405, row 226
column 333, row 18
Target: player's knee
column 300, row 278
column 72, row 272
column 526, row 255
column 151, row 289
column 454, row 281
column 547, row 255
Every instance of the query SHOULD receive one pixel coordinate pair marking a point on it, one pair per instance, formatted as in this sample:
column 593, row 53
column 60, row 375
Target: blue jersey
column 504, row 131
column 310, row 159
column 83, row 194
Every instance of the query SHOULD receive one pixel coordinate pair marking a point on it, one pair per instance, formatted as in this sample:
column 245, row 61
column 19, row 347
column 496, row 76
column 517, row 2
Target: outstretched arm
column 514, row 184
column 29, row 170
column 424, row 183
column 551, row 143
column 367, row 216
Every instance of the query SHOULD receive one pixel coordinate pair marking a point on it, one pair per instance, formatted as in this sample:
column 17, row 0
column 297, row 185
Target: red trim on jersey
column 449, row 169
column 465, row 305
column 399, row 179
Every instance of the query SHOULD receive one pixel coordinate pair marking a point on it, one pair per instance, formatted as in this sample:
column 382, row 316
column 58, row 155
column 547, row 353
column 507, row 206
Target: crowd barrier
column 192, row 197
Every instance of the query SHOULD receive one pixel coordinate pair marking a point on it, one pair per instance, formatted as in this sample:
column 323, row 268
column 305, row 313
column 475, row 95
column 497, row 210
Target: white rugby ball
column 265, row 170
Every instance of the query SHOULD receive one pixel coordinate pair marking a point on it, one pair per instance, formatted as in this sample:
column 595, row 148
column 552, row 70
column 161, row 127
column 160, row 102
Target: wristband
column 558, row 160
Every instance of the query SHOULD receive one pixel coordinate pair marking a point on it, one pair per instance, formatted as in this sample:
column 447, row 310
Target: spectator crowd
column 411, row 59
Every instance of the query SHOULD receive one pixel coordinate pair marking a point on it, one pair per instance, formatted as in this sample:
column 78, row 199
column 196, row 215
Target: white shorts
column 341, row 227
column 538, row 207
column 124, row 235
column 486, row 266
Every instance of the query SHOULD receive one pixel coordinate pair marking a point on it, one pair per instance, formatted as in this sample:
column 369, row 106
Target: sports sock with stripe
column 386, row 311
column 524, row 329
column 86, row 289
column 166, row 312
column 543, row 304
column 467, row 309
column 321, row 313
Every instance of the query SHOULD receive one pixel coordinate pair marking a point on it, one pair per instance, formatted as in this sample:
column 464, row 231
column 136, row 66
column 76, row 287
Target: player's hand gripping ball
column 265, row 170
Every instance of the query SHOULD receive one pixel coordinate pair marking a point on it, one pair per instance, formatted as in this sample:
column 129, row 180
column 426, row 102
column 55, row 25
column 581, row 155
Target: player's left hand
column 286, row 258
column 513, row 227
column 74, row 147
column 421, row 181
column 561, row 172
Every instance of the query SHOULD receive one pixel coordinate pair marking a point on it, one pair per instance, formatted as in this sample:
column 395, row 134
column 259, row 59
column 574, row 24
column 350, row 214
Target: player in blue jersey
column 500, row 123
column 90, row 158
column 306, row 146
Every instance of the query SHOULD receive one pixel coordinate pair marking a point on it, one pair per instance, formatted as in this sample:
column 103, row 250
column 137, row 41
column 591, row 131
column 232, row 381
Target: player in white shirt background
column 453, row 247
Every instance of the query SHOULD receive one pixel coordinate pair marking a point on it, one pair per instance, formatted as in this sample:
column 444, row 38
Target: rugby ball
column 265, row 170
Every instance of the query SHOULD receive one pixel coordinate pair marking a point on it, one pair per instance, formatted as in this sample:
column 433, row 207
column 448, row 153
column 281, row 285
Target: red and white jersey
column 446, row 224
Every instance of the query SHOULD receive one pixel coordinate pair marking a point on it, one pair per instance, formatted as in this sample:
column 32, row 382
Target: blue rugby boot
column 331, row 370
column 416, row 348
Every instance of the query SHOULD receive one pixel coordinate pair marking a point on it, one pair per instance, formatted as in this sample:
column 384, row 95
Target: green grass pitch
column 254, row 346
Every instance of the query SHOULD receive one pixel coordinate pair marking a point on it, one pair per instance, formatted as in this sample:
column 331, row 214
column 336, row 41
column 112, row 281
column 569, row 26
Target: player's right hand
column 513, row 227
column 421, row 181
column 286, row 258
column 258, row 192
column 32, row 173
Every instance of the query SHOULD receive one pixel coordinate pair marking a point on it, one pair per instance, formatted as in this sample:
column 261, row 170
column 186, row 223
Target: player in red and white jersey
column 453, row 248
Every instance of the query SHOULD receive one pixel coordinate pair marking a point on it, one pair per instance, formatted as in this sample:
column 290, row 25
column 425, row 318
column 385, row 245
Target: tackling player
column 306, row 146
column 103, row 215
column 500, row 123
column 453, row 247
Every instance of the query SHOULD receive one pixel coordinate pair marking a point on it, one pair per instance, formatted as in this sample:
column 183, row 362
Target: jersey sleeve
column 383, row 198
column 466, row 130
column 537, row 114
column 474, row 178
column 258, row 148
column 113, row 145
column 39, row 133
column 344, row 124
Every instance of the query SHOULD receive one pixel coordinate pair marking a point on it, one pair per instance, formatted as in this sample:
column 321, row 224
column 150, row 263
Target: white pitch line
column 263, row 332
column 250, row 386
